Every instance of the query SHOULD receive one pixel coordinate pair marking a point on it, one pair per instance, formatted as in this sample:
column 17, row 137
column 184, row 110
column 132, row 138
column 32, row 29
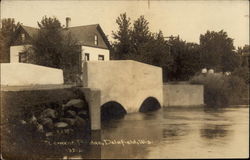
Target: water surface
column 180, row 133
column 170, row 132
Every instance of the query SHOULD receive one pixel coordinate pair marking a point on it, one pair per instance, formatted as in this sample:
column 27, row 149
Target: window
column 23, row 37
column 100, row 57
column 86, row 57
column 22, row 57
column 96, row 40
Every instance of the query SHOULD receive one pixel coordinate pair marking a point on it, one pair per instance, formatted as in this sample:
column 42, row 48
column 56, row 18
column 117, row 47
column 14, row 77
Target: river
column 175, row 133
column 170, row 132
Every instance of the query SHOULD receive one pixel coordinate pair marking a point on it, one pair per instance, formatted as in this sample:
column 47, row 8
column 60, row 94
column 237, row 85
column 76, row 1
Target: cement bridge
column 119, row 87
column 111, row 88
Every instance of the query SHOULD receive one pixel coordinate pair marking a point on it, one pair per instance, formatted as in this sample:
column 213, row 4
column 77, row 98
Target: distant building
column 93, row 43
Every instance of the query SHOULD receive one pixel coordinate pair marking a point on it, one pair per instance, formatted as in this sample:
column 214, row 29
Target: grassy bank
column 221, row 90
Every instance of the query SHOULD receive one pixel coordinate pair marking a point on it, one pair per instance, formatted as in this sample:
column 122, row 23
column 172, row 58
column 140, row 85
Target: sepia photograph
column 124, row 79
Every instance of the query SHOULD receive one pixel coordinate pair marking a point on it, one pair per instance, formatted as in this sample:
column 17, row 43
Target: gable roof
column 30, row 30
column 83, row 34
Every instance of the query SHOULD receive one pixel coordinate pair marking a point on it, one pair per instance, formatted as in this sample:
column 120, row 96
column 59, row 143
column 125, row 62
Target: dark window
column 86, row 57
column 100, row 57
column 23, row 57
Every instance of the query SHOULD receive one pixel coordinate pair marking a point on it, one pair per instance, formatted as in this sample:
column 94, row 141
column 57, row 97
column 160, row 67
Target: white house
column 92, row 41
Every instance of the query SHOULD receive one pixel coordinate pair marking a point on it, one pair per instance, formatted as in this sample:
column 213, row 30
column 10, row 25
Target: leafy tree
column 48, row 43
column 140, row 35
column 243, row 70
column 140, row 44
column 122, row 36
column 186, row 59
column 230, row 61
column 244, row 53
column 3, row 51
column 217, row 51
column 54, row 47
column 7, row 32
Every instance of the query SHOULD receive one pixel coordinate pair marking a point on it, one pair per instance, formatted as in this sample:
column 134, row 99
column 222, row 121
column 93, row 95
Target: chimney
column 68, row 21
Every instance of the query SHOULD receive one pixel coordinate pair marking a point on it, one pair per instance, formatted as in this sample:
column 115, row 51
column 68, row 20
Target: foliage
column 54, row 48
column 242, row 72
column 221, row 90
column 244, row 53
column 7, row 33
column 186, row 59
column 217, row 51
column 47, row 44
column 3, row 49
column 138, row 43
column 123, row 36
column 141, row 35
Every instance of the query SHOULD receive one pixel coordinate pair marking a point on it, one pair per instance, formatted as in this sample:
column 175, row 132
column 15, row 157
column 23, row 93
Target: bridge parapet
column 125, row 81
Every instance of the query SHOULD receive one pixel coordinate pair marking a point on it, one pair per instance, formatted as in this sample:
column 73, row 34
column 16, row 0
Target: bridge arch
column 112, row 110
column 149, row 104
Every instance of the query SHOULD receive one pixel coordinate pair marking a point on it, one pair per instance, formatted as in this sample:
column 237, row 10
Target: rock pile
column 73, row 114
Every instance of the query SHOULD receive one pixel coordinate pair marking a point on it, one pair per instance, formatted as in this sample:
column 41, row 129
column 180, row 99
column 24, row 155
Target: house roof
column 83, row 34
column 30, row 30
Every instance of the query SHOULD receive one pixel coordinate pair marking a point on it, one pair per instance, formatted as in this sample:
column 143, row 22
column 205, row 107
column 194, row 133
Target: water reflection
column 174, row 131
column 184, row 133
column 211, row 131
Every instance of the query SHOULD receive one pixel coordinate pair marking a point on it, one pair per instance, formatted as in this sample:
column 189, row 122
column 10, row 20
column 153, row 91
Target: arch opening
column 112, row 110
column 149, row 104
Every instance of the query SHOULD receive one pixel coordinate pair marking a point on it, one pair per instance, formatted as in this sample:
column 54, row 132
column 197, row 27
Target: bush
column 72, row 76
column 242, row 72
column 221, row 90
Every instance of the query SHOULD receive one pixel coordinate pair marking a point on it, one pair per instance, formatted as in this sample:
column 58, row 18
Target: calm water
column 165, row 133
column 175, row 133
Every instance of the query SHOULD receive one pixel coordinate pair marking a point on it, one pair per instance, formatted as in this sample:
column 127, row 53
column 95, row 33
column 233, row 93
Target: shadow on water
column 211, row 131
column 174, row 131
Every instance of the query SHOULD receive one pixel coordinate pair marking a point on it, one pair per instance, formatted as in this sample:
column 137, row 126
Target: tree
column 3, row 52
column 7, row 33
column 140, row 35
column 217, row 51
column 48, row 43
column 122, row 36
column 138, row 43
column 54, row 46
column 243, row 70
column 186, row 57
column 244, row 53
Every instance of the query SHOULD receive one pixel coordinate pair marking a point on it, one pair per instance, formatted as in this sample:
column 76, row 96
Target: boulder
column 69, row 121
column 75, row 103
column 49, row 113
column 23, row 122
column 70, row 114
column 32, row 120
column 39, row 127
column 80, row 122
column 61, row 125
column 83, row 114
column 49, row 134
column 47, row 122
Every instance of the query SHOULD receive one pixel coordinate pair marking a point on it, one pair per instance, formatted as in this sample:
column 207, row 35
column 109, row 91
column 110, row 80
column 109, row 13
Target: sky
column 188, row 19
